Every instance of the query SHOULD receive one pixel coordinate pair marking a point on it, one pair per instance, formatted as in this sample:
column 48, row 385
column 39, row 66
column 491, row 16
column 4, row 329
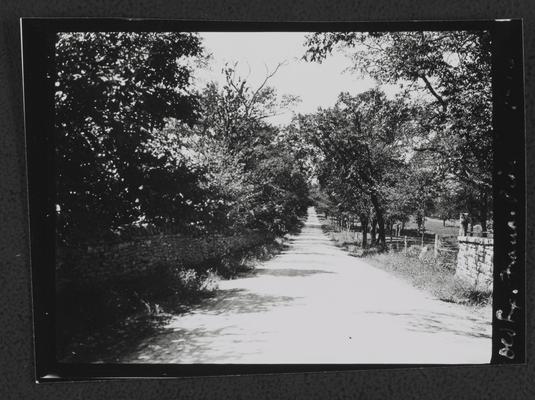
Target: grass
column 434, row 225
column 431, row 276
column 435, row 276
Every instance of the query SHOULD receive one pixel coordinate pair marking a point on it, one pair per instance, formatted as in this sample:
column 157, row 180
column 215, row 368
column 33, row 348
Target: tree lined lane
column 315, row 304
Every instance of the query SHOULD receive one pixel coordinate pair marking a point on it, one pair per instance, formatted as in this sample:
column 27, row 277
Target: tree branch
column 257, row 91
column 434, row 92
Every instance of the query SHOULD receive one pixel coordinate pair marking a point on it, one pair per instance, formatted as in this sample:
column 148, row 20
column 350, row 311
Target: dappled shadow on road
column 183, row 345
column 108, row 344
column 164, row 336
column 310, row 253
column 425, row 321
column 289, row 272
column 188, row 338
column 311, row 237
column 236, row 301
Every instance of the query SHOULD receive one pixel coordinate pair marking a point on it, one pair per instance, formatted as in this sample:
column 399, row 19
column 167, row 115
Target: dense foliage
column 113, row 91
column 254, row 177
column 444, row 111
column 361, row 149
column 139, row 150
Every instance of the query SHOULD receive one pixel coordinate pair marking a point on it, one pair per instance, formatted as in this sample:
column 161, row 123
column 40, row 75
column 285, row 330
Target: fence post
column 436, row 245
column 423, row 234
column 405, row 243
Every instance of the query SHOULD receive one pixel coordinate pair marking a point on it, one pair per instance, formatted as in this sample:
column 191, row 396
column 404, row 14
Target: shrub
column 187, row 282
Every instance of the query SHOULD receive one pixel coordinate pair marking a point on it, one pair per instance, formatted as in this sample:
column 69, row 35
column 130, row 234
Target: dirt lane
column 315, row 304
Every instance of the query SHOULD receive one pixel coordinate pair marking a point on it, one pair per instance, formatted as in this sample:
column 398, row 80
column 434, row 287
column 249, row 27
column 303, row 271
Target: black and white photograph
column 274, row 197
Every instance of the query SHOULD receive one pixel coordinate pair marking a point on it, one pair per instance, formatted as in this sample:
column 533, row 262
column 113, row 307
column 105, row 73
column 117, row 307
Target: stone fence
column 137, row 258
column 475, row 261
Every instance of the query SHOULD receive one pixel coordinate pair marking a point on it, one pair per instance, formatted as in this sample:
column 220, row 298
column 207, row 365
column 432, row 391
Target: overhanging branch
column 434, row 92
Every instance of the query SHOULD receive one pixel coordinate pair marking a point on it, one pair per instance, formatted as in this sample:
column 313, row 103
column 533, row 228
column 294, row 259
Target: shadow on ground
column 240, row 301
column 289, row 272
column 440, row 322
column 143, row 331
column 192, row 334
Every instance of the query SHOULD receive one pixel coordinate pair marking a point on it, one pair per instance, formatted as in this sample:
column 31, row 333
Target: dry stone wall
column 475, row 261
column 136, row 259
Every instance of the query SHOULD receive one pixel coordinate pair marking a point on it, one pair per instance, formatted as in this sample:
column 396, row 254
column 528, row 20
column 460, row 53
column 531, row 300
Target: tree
column 253, row 178
column 360, row 141
column 236, row 110
column 113, row 90
column 453, row 70
column 449, row 204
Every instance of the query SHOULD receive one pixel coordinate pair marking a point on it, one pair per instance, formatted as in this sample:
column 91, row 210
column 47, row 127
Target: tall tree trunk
column 379, row 215
column 364, row 224
column 381, row 231
column 373, row 231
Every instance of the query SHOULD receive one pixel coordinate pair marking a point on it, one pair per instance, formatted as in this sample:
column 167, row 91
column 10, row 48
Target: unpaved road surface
column 314, row 303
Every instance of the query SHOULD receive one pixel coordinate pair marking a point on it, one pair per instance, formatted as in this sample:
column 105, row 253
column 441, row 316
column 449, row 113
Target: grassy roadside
column 436, row 277
column 430, row 276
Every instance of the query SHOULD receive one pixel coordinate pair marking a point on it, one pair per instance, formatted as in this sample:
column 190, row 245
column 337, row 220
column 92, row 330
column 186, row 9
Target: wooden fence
column 446, row 245
column 439, row 244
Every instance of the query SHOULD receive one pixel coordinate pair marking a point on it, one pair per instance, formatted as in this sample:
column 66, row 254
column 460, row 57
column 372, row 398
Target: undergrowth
column 436, row 276
column 432, row 277
column 98, row 322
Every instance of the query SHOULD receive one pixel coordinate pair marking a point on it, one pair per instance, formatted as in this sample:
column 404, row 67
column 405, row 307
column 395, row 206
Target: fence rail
column 488, row 234
column 438, row 243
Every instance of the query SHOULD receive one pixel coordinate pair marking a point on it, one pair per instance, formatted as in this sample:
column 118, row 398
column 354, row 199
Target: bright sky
column 318, row 85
